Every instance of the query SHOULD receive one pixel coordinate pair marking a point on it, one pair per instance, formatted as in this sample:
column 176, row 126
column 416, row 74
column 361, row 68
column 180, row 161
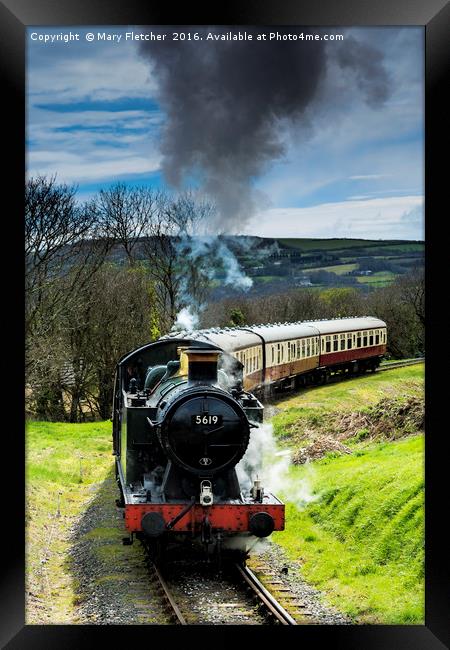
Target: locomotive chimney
column 202, row 368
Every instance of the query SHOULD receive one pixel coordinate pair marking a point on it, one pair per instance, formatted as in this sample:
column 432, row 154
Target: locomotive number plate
column 199, row 420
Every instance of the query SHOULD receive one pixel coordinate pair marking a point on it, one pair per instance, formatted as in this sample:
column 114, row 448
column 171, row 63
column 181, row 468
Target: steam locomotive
column 183, row 418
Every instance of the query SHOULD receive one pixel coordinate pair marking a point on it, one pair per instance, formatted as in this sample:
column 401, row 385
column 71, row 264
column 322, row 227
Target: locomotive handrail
column 181, row 514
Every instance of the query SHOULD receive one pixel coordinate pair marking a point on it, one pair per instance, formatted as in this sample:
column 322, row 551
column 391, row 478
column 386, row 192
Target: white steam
column 233, row 273
column 206, row 258
column 264, row 459
column 187, row 320
column 213, row 259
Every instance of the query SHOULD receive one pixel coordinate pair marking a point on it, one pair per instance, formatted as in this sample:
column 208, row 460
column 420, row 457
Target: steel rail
column 170, row 599
column 265, row 596
column 400, row 364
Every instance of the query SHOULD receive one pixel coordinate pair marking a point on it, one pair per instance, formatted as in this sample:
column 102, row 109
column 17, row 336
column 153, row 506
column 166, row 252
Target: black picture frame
column 433, row 15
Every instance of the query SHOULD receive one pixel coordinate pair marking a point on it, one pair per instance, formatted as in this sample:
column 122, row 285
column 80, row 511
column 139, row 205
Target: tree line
column 401, row 305
column 85, row 308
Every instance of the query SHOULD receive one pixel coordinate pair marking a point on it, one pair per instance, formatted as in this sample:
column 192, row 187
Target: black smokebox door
column 206, row 434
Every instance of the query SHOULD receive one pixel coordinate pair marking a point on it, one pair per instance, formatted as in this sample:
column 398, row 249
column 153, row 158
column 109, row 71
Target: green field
column 65, row 463
column 358, row 534
column 327, row 244
column 339, row 269
column 380, row 278
column 350, row 394
column 361, row 541
column 386, row 247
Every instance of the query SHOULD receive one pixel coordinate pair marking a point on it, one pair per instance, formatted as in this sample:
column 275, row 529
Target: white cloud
column 363, row 177
column 380, row 218
column 73, row 168
column 102, row 72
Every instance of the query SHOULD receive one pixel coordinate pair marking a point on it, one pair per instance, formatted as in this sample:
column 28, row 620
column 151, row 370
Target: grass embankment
column 361, row 539
column 65, row 463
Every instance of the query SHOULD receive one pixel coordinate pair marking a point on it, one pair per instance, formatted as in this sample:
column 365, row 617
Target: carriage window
column 365, row 339
column 303, row 349
column 349, row 342
column 308, row 347
column 328, row 344
column 298, row 349
column 371, row 337
column 358, row 340
column 317, row 346
column 377, row 337
column 342, row 341
column 335, row 343
column 278, row 353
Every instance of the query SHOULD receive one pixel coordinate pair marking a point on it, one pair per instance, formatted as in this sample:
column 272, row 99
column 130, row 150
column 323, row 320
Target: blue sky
column 94, row 118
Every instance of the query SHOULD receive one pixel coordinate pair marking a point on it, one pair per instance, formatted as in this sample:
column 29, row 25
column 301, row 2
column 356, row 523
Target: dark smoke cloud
column 366, row 63
column 228, row 103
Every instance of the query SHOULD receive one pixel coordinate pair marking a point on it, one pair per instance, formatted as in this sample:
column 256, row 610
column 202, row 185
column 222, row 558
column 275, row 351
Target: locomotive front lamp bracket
column 206, row 493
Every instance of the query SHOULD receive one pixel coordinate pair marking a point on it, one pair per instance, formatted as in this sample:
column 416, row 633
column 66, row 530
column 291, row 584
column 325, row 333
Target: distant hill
column 320, row 263
column 276, row 265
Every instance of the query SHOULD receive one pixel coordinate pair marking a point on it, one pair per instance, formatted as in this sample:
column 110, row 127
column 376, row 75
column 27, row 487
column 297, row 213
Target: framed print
column 228, row 213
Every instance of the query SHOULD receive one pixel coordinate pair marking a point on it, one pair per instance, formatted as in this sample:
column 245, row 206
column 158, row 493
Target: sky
column 290, row 139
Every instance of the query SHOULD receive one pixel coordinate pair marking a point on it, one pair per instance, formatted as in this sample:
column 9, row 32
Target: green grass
column 327, row 244
column 347, row 244
column 264, row 279
column 347, row 395
column 67, row 454
column 65, row 463
column 381, row 278
column 361, row 540
column 338, row 269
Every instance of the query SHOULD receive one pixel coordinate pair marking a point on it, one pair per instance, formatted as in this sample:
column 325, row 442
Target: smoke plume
column 228, row 106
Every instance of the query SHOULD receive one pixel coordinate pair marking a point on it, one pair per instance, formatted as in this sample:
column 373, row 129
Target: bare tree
column 59, row 235
column 405, row 327
column 124, row 214
column 178, row 273
column 62, row 252
column 112, row 318
column 412, row 286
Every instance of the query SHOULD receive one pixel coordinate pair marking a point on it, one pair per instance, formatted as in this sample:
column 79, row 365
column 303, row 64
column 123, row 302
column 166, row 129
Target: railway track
column 400, row 364
column 273, row 607
column 259, row 605
column 174, row 610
